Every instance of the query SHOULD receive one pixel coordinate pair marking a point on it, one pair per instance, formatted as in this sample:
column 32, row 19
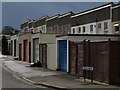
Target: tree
column 4, row 45
column 8, row 30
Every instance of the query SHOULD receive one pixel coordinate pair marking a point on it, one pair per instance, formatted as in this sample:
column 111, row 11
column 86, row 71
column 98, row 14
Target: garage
column 63, row 55
column 35, row 49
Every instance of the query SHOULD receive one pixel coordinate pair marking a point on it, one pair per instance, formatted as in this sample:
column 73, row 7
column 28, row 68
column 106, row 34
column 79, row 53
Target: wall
column 52, row 25
column 47, row 38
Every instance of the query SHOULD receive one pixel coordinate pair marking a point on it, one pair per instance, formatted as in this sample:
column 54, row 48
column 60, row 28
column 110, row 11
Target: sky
column 13, row 13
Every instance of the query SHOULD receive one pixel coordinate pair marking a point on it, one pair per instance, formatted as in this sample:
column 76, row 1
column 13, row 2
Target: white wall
column 95, row 28
column 15, row 37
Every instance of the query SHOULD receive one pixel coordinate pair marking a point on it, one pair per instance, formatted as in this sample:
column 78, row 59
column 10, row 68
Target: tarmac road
column 10, row 80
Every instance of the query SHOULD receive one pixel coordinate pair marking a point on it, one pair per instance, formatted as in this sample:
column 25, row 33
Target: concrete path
column 27, row 71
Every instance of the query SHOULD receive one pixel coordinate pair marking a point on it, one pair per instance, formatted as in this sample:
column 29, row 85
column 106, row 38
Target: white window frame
column 105, row 26
column 91, row 27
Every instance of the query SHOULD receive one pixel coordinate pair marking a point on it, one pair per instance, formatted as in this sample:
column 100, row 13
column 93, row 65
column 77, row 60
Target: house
column 116, row 19
column 93, row 21
column 100, row 51
column 24, row 40
column 65, row 23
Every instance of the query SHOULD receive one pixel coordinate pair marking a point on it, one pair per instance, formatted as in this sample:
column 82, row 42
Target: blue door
column 63, row 55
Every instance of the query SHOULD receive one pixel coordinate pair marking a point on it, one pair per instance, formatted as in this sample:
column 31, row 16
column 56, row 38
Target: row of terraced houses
column 67, row 42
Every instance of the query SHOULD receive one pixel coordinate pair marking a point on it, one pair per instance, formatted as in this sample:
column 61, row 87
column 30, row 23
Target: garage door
column 35, row 50
column 25, row 50
column 63, row 55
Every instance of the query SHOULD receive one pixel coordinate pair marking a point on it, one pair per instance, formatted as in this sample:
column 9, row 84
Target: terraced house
column 68, row 42
column 93, row 21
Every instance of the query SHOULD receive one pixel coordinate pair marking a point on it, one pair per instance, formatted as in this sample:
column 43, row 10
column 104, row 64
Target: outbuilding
column 102, row 52
column 25, row 47
column 44, row 49
column 13, row 46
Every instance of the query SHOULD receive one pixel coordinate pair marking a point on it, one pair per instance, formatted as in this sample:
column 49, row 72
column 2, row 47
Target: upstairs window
column 73, row 30
column 79, row 29
column 83, row 29
column 99, row 25
column 116, row 27
column 105, row 25
column 91, row 28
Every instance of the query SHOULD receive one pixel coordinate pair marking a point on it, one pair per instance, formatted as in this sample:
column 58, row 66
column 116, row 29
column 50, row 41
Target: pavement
column 46, row 77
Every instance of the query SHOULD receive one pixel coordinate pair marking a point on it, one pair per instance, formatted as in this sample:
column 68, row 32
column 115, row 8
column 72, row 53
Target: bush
column 4, row 45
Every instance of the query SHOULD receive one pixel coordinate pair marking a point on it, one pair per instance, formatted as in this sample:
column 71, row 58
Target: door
column 63, row 55
column 25, row 50
column 35, row 49
column 14, row 47
column 20, row 51
column 29, row 52
column 11, row 48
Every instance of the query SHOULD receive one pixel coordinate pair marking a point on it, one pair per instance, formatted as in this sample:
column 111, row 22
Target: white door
column 35, row 49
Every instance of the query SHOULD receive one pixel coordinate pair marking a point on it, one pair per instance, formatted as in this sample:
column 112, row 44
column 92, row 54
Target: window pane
column 79, row 30
column 83, row 28
column 91, row 28
column 73, row 30
column 105, row 25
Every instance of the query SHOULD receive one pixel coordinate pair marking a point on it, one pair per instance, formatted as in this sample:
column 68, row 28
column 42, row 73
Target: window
column 116, row 28
column 91, row 28
column 99, row 25
column 83, row 29
column 73, row 30
column 105, row 25
column 79, row 29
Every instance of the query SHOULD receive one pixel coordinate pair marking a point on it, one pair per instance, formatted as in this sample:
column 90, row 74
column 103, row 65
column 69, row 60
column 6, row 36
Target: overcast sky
column 13, row 13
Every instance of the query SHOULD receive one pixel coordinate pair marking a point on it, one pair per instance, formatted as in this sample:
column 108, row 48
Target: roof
column 113, row 35
column 52, row 17
column 43, row 17
column 66, row 14
column 116, row 5
column 28, row 20
column 93, row 9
